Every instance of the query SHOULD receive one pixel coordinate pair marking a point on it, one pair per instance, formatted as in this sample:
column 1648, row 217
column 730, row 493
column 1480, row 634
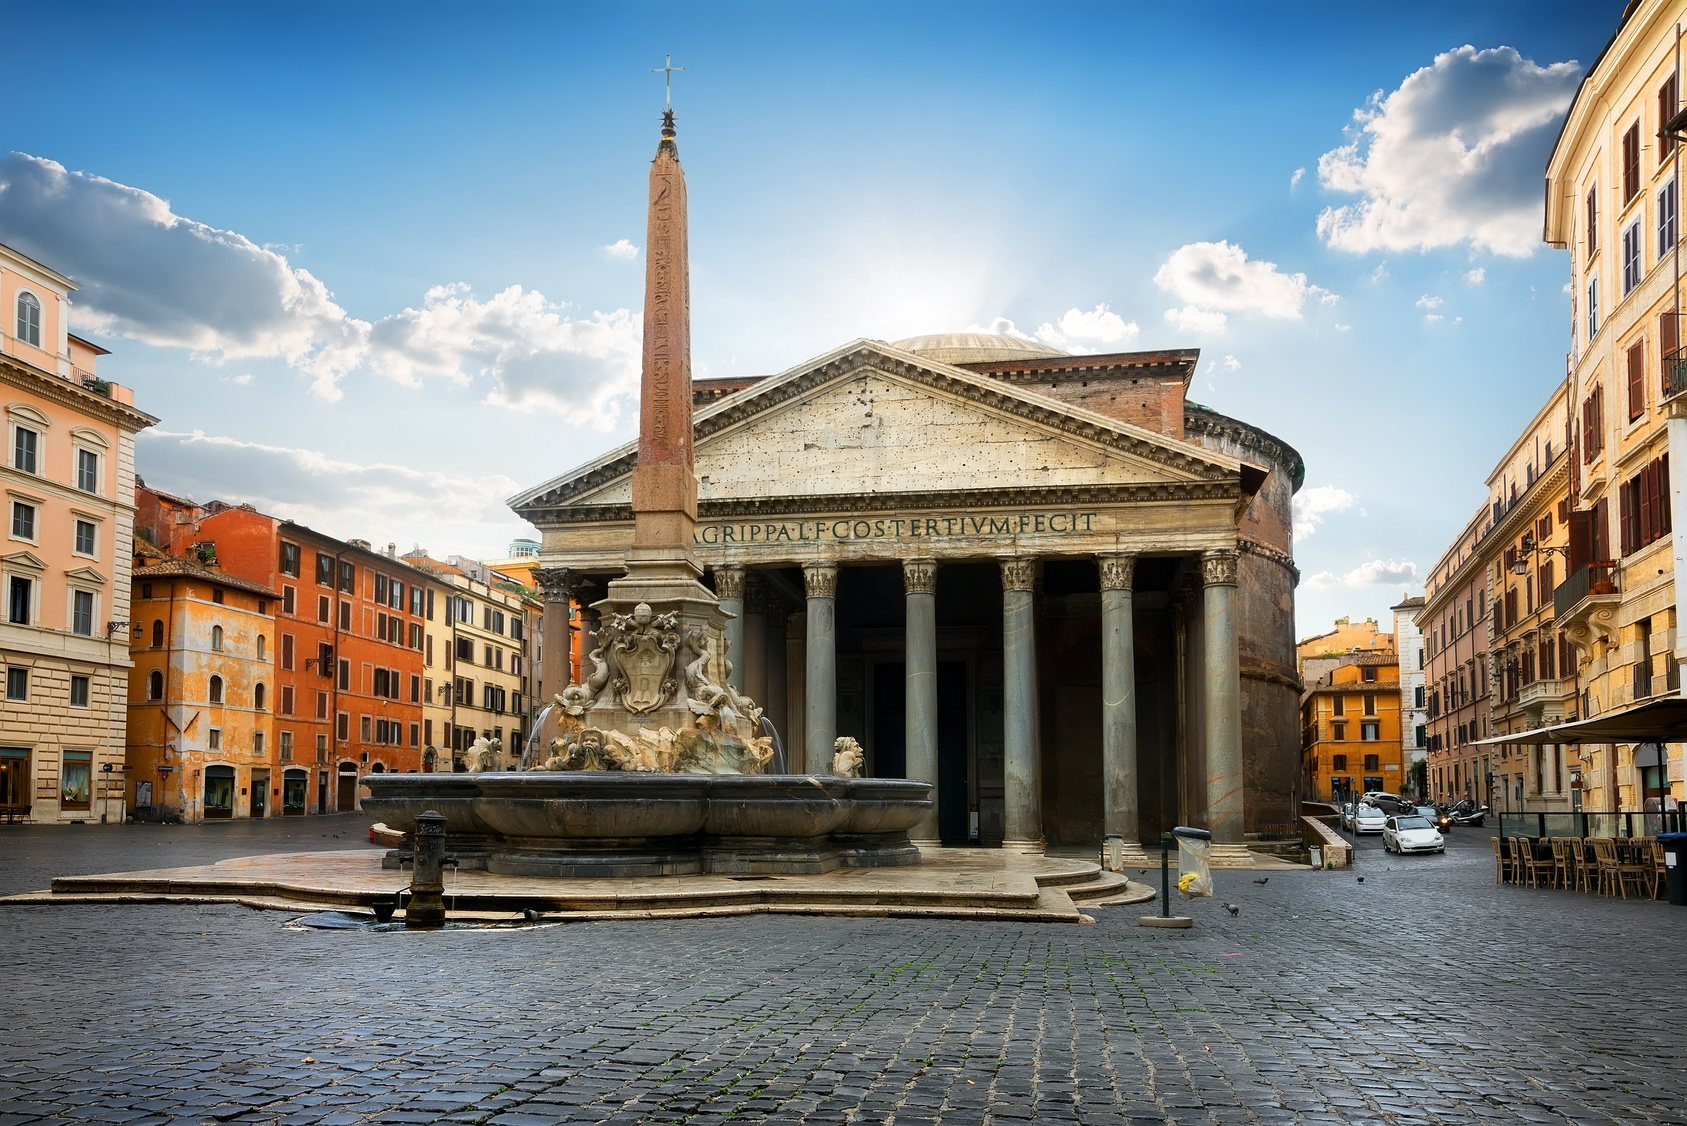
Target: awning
column 1660, row 721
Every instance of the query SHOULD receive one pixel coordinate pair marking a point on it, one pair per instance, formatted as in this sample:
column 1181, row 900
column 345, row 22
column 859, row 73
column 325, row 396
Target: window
column 428, row 648
column 257, row 742
column 17, row 684
column 1338, row 731
column 345, row 675
column 1593, row 423
column 155, row 685
column 1644, row 515
column 24, row 442
column 430, row 605
column 1372, row 762
column 1592, row 307
column 258, row 698
column 1666, row 110
column 363, row 729
column 88, row 471
column 76, row 780
column 415, row 735
column 217, row 638
column 345, row 617
column 158, row 633
column 465, row 650
column 1370, row 675
column 23, row 520
column 322, row 608
column 286, row 746
column 1338, row 762
column 216, row 689
column 290, row 559
column 324, row 570
column 1631, row 257
column 348, row 577
column 381, row 682
column 322, row 705
column 29, row 321
column 286, row 651
column 1631, row 163
column 286, row 699
column 262, row 646
column 381, row 589
column 1340, row 705
column 395, row 595
column 1368, row 733
column 415, row 689
column 289, row 600
column 1667, row 210
column 214, row 739
column 488, row 662
column 82, row 613
column 1370, row 705
column 342, row 726
column 21, row 599
column 415, row 600
column 85, row 544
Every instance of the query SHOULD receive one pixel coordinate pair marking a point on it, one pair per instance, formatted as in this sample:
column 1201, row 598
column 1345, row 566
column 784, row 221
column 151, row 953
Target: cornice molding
column 28, row 377
column 1281, row 558
column 982, row 390
column 1270, row 448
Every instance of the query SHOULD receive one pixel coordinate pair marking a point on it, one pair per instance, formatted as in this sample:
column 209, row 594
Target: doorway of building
column 956, row 824
column 890, row 720
column 14, row 782
column 322, row 791
column 293, row 786
column 260, row 793
column 219, row 792
column 345, row 800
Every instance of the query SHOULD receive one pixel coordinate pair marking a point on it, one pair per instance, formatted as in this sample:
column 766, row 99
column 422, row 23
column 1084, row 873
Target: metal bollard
column 426, row 909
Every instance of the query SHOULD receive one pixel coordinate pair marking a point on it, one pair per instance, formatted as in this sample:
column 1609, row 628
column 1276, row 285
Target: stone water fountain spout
column 426, row 909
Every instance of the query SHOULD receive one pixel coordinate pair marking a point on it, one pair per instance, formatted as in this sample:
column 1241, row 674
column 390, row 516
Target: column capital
column 1018, row 572
column 1218, row 568
column 820, row 580
column 919, row 576
column 1118, row 568
column 729, row 581
column 559, row 584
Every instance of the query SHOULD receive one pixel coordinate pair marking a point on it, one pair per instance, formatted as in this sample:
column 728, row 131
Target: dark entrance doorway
column 890, row 719
column 954, row 798
column 322, row 791
column 219, row 791
column 346, row 799
column 293, row 793
column 260, row 793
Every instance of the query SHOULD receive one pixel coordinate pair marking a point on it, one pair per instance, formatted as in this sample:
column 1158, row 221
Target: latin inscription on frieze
column 909, row 528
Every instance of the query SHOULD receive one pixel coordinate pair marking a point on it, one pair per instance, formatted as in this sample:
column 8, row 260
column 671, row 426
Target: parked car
column 1369, row 819
column 1411, row 834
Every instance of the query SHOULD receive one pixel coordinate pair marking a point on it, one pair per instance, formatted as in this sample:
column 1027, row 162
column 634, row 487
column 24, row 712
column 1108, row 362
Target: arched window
column 158, row 633
column 155, row 686
column 216, row 689
column 258, row 697
column 260, row 647
column 217, row 637
column 29, row 319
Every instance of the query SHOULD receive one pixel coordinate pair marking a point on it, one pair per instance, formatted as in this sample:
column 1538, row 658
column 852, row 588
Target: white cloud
column 1344, row 328
column 444, row 511
column 622, row 248
column 1191, row 319
column 1378, row 274
column 1001, row 326
column 1078, row 331
column 1323, row 580
column 1428, row 302
column 1454, row 155
column 1231, row 363
column 1476, row 276
column 1219, row 277
column 1295, row 179
column 584, row 370
column 151, row 275
column 1312, row 505
column 1382, row 572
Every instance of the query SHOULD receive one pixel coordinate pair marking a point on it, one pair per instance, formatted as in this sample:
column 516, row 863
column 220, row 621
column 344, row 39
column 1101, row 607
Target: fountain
column 661, row 766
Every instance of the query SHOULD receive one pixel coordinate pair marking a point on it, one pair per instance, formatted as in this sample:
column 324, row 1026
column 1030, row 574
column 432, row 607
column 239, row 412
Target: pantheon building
column 1048, row 583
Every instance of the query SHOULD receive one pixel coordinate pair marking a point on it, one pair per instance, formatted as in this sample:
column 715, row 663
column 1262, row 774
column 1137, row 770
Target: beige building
column 1613, row 201
column 69, row 476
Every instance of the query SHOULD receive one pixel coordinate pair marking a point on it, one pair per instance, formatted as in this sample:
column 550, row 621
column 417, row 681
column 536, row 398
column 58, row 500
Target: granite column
column 1022, row 781
column 729, row 589
column 820, row 731
column 1223, row 698
column 1118, row 699
column 919, row 580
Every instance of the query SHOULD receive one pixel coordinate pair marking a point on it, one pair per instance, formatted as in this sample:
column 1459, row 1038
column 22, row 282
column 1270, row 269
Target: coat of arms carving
column 644, row 644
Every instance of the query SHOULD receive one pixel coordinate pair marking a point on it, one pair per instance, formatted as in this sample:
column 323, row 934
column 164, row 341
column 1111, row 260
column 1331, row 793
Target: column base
column 1027, row 848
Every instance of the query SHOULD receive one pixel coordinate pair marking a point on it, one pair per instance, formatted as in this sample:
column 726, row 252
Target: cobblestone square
column 1423, row 994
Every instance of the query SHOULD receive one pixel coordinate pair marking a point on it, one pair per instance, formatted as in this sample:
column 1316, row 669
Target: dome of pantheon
column 975, row 348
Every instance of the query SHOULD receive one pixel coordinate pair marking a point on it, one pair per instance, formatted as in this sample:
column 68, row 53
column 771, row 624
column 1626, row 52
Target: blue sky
column 362, row 259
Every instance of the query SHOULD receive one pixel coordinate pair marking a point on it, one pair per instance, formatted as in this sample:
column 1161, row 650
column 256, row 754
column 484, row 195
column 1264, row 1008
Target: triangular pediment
column 868, row 419
column 26, row 560
column 86, row 574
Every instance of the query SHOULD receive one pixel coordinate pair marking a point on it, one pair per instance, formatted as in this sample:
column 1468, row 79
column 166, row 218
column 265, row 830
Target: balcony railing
column 1595, row 578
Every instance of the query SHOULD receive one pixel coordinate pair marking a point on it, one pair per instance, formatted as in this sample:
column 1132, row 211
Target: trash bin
column 1675, row 866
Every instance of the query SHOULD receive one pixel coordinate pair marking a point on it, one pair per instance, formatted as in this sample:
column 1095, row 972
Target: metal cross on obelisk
column 667, row 73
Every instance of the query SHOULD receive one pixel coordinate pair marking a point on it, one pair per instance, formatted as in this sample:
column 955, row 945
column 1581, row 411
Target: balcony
column 1586, row 602
column 1543, row 700
column 1675, row 372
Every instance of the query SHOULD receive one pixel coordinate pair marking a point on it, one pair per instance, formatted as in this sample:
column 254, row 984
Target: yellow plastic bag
column 1195, row 877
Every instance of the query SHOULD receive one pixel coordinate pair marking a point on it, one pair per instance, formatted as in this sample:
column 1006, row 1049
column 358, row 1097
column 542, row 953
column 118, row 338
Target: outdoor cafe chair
column 1657, row 868
column 1582, row 865
column 1502, row 861
column 1533, row 866
column 1615, row 871
column 1561, row 862
column 1590, row 864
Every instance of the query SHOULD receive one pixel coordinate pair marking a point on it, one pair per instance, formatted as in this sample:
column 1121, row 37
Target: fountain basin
column 612, row 823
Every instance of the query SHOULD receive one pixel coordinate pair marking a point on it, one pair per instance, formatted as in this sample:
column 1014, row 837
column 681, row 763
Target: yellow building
column 1350, row 728
column 69, row 472
column 1613, row 201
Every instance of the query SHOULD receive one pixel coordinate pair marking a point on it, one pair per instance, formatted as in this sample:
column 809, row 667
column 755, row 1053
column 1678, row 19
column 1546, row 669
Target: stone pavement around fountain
column 1426, row 994
column 956, row 883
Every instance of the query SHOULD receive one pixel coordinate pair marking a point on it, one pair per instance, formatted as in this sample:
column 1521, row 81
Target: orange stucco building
column 1350, row 727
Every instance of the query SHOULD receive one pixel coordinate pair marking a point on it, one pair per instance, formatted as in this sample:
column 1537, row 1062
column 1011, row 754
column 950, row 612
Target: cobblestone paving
column 1424, row 994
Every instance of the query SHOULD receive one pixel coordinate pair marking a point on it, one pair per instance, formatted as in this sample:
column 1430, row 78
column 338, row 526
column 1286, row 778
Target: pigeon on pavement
column 1263, row 880
column 1230, row 907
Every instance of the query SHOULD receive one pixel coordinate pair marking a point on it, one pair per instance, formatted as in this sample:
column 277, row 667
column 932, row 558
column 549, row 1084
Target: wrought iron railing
column 1595, row 578
column 1675, row 368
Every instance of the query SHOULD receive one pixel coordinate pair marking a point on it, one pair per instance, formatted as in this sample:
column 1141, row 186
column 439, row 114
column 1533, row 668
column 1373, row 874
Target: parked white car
column 1369, row 819
column 1412, row 834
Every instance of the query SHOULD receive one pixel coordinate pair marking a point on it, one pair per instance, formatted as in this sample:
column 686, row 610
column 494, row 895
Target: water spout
column 766, row 728
column 530, row 759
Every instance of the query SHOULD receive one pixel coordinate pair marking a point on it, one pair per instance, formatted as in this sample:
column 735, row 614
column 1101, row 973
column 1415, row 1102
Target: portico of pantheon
column 1047, row 583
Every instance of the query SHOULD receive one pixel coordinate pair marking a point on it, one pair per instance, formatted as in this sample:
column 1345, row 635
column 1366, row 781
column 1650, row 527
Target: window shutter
column 1631, row 162
column 1657, row 524
column 1664, row 519
column 1625, row 517
column 1592, row 220
column 1601, row 531
column 1636, row 381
